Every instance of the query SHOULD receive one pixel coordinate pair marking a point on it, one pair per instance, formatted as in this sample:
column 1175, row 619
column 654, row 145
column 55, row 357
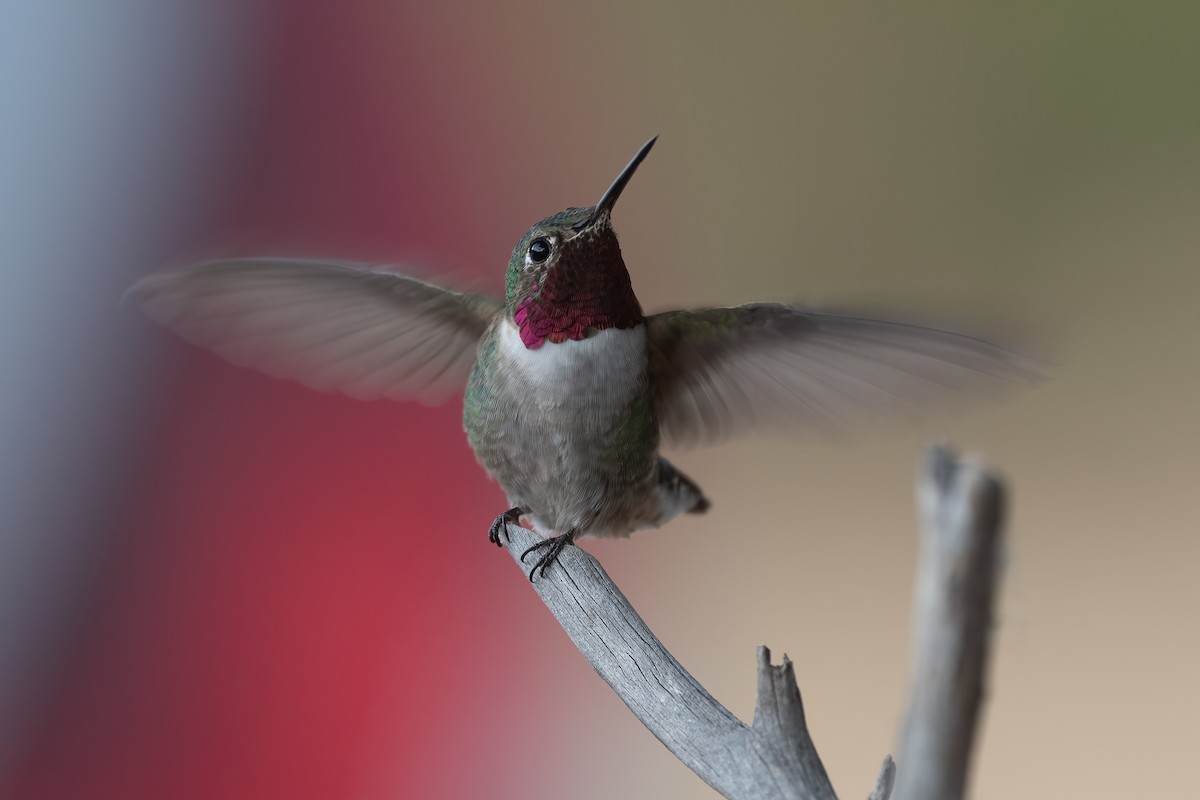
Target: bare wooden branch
column 885, row 781
column 775, row 757
column 961, row 508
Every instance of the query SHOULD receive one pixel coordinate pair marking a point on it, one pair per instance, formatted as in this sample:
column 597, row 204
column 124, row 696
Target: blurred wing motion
column 354, row 329
column 720, row 371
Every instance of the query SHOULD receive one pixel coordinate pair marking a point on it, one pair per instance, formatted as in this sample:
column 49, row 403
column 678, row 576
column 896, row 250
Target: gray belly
column 570, row 433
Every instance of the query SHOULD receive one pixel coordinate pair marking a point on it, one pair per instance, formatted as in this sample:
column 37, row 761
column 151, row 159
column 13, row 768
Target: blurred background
column 214, row 584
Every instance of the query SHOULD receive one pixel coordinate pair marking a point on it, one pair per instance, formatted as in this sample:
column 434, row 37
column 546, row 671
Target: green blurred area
column 911, row 145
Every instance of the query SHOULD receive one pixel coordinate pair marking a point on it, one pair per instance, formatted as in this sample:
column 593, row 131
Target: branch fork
column 961, row 510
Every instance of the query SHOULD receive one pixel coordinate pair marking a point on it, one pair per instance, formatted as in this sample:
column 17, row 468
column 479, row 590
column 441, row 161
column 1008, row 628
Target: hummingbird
column 570, row 388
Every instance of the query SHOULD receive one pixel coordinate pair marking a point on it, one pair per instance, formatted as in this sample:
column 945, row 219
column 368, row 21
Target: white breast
column 610, row 363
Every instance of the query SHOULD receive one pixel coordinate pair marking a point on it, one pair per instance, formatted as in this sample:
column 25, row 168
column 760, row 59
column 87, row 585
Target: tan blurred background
column 1035, row 165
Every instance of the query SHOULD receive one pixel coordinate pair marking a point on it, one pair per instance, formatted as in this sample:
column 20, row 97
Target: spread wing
column 362, row 331
column 720, row 371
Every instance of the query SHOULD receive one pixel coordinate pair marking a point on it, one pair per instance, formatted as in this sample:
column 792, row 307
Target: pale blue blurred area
column 115, row 113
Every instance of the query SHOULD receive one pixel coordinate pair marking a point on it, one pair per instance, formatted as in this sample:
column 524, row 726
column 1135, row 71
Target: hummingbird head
column 566, row 279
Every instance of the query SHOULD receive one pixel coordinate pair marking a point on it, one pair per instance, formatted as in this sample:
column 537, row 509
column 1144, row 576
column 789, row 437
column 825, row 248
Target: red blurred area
column 287, row 609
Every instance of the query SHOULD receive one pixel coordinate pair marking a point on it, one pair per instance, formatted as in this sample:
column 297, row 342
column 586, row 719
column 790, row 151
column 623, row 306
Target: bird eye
column 539, row 251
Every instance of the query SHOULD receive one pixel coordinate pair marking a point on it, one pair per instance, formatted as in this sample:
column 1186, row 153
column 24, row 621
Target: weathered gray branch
column 775, row 756
column 961, row 508
column 772, row 758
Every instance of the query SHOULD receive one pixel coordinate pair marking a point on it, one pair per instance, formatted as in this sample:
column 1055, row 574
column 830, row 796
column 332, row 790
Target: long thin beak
column 614, row 191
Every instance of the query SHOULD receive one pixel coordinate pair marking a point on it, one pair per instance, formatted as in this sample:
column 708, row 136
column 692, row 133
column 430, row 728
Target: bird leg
column 500, row 526
column 553, row 547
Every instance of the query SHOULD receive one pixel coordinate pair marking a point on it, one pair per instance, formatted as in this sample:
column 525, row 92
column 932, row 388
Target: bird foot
column 553, row 547
column 500, row 526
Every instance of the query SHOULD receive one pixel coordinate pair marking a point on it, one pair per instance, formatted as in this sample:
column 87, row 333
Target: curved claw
column 554, row 547
column 501, row 523
column 544, row 543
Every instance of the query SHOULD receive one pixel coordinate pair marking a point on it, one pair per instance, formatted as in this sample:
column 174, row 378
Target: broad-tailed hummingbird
column 570, row 388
